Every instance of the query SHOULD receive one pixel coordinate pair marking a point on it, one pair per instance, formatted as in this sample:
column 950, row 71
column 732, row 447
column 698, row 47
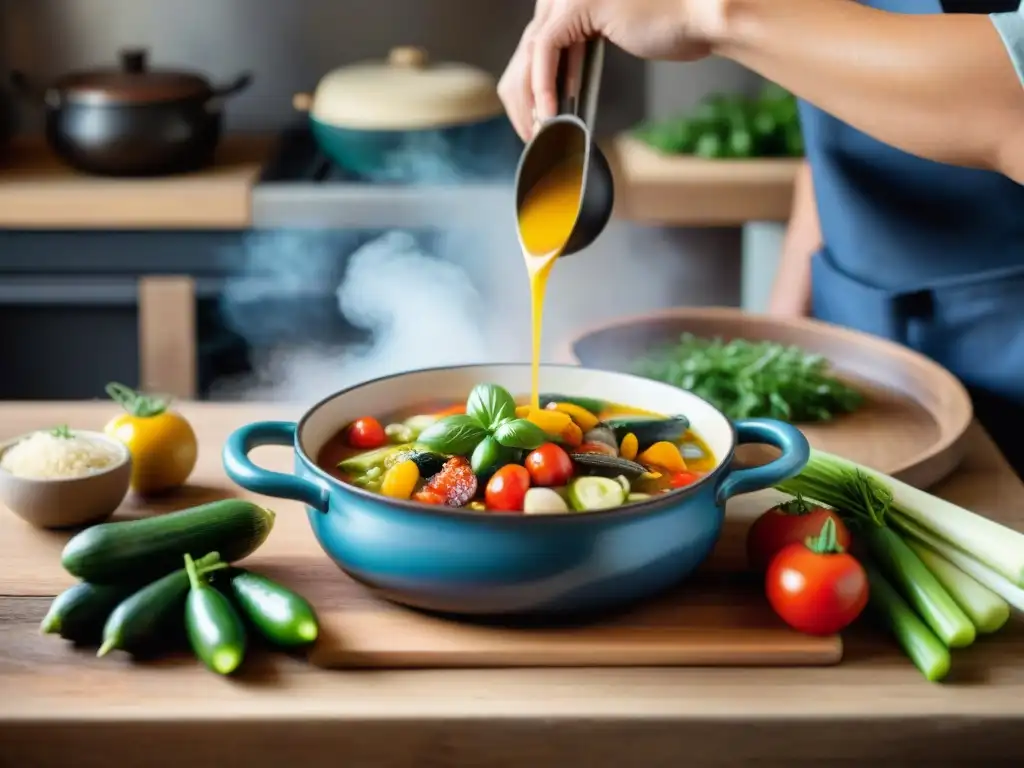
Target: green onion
column 986, row 610
column 999, row 548
column 865, row 503
column 924, row 648
column 1011, row 593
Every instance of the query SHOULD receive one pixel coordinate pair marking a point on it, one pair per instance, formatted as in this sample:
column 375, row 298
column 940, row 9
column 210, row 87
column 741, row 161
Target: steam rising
column 412, row 299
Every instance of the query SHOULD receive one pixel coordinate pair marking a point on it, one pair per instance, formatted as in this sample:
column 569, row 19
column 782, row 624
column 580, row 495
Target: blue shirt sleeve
column 1011, row 28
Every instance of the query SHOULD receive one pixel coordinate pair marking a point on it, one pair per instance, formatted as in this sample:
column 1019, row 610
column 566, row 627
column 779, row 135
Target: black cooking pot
column 133, row 121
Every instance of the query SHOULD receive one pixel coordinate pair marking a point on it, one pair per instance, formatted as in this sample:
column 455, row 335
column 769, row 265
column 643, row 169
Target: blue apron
column 925, row 254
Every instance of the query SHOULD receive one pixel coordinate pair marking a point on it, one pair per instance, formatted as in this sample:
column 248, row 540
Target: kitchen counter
column 874, row 706
column 37, row 191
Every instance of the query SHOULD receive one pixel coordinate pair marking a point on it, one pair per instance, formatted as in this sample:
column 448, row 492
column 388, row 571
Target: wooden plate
column 915, row 413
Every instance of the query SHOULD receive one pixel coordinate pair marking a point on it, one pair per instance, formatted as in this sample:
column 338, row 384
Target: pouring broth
column 546, row 219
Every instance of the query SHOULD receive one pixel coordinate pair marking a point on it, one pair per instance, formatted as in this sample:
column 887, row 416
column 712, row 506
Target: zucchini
column 611, row 466
column 142, row 550
column 214, row 629
column 79, row 612
column 280, row 615
column 149, row 611
column 362, row 463
column 649, row 430
column 591, row 404
column 588, row 494
column 428, row 462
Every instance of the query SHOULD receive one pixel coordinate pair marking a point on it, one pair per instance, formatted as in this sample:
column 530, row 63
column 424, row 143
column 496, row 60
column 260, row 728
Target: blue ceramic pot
column 465, row 562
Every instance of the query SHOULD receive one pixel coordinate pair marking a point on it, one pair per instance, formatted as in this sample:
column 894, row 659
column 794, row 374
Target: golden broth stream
column 546, row 220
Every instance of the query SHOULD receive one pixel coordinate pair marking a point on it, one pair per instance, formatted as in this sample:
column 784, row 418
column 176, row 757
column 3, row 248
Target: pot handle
column 795, row 453
column 241, row 469
column 240, row 83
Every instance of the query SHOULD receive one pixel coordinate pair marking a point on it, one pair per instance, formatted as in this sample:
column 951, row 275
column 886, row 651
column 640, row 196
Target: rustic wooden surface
column 38, row 191
column 63, row 707
column 911, row 425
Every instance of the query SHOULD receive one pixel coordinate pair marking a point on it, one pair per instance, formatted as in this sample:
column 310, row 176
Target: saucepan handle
column 241, row 469
column 795, row 453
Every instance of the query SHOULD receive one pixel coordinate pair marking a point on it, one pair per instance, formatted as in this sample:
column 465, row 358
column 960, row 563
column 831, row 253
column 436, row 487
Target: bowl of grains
column 63, row 478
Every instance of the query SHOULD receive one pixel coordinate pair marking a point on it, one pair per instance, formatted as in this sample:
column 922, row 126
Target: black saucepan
column 133, row 120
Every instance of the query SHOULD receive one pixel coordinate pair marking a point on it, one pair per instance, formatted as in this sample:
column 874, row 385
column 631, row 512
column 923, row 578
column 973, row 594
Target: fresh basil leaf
column 490, row 405
column 520, row 433
column 453, row 435
column 485, row 455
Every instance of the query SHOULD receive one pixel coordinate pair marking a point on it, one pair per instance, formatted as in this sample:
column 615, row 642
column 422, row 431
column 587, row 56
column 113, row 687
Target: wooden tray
column 720, row 618
column 916, row 412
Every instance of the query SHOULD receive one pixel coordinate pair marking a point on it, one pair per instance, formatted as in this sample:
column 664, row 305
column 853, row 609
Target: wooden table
column 61, row 707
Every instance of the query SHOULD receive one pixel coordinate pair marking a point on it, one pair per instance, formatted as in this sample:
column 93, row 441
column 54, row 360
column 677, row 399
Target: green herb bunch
column 751, row 379
column 488, row 432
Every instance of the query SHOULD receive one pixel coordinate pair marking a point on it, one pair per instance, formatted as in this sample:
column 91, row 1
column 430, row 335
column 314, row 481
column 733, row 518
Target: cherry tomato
column 366, row 433
column 789, row 523
column 683, row 479
column 815, row 588
column 549, row 465
column 507, row 488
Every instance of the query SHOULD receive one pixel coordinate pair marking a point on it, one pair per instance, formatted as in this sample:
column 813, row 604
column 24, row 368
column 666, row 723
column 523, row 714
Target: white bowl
column 67, row 502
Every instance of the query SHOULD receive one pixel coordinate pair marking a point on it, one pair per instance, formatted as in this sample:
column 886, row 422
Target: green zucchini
column 79, row 612
column 591, row 404
column 361, row 463
column 137, row 621
column 649, row 430
column 142, row 550
column 279, row 614
column 588, row 494
column 215, row 631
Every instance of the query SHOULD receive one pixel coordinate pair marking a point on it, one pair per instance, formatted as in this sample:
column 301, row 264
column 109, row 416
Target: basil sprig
column 490, row 413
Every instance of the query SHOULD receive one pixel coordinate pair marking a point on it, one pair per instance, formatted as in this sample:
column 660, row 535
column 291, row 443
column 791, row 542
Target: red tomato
column 507, row 488
column 816, row 593
column 427, row 496
column 366, row 433
column 789, row 523
column 549, row 465
column 683, row 479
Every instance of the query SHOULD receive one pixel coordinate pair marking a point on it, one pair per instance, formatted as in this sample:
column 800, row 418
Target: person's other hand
column 676, row 30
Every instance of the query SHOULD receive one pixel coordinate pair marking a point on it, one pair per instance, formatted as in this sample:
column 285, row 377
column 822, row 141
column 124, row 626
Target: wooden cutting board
column 718, row 618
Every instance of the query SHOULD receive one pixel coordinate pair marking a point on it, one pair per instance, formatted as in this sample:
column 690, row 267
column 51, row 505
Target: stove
column 300, row 187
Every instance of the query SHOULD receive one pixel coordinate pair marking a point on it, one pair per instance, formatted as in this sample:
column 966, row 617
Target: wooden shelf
column 652, row 188
column 37, row 191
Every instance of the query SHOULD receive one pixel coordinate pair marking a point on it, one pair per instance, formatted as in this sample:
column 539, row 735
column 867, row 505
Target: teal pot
column 458, row 561
column 407, row 120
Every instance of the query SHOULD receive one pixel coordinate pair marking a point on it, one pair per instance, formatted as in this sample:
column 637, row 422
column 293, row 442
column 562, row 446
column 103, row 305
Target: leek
column 986, row 610
column 865, row 504
column 1000, row 548
column 999, row 584
column 917, row 641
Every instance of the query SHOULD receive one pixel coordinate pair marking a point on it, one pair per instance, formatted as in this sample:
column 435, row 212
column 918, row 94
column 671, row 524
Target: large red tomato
column 816, row 589
column 549, row 465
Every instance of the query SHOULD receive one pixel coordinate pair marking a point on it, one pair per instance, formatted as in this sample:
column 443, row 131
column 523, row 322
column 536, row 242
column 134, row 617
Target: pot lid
column 132, row 82
column 406, row 92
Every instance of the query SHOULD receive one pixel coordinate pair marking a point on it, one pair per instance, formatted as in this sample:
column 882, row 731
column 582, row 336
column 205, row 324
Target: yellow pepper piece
column 552, row 422
column 572, row 435
column 583, row 418
column 477, row 506
column 523, row 411
column 628, row 447
column 400, row 481
column 665, row 455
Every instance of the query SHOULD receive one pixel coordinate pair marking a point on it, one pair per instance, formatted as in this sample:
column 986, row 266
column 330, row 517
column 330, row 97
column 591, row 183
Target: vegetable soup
column 497, row 453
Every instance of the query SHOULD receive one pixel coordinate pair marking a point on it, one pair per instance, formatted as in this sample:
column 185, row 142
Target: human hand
column 678, row 30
